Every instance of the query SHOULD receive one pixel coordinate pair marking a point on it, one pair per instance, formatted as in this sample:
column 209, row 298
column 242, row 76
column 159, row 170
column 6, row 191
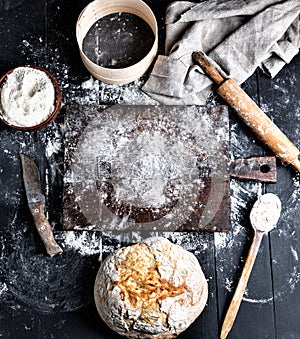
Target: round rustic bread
column 153, row 289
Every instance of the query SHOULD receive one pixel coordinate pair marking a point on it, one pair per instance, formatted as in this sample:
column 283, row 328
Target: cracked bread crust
column 153, row 289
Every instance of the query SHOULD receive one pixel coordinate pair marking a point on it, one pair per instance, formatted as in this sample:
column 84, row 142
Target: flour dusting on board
column 144, row 166
column 143, row 177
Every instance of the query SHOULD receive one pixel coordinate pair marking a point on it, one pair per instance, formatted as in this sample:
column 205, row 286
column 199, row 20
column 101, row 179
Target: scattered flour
column 296, row 191
column 294, row 278
column 86, row 243
column 3, row 289
column 239, row 196
column 143, row 177
column 88, row 84
column 53, row 144
column 90, row 90
column 295, row 254
column 228, row 284
column 258, row 301
column 27, row 97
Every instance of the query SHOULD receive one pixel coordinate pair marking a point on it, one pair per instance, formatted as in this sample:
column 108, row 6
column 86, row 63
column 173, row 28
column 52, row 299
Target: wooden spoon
column 264, row 216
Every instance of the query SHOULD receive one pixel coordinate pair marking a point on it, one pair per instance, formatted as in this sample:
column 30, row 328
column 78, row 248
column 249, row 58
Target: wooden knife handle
column 240, row 290
column 44, row 229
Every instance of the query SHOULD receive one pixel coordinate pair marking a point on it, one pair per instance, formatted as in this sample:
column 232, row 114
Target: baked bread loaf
column 152, row 289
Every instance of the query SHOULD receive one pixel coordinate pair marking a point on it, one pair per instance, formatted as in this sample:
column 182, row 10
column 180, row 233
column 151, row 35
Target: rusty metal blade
column 32, row 180
column 258, row 168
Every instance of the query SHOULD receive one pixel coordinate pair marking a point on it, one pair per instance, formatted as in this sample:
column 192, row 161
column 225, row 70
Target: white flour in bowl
column 27, row 97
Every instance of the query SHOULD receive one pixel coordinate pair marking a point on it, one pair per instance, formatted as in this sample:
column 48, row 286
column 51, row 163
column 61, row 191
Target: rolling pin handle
column 250, row 113
column 296, row 164
column 201, row 59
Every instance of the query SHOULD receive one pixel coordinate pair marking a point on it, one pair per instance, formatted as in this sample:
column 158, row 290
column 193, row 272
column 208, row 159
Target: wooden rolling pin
column 251, row 114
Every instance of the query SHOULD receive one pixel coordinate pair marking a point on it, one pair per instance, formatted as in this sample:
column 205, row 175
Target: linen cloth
column 239, row 35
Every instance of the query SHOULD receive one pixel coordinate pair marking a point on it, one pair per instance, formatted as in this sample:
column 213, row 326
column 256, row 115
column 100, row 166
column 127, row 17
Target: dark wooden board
column 202, row 207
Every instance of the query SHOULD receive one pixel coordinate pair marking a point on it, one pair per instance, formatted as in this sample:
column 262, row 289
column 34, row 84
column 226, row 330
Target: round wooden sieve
column 97, row 10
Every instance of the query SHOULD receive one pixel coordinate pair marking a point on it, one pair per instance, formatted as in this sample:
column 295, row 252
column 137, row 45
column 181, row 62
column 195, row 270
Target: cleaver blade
column 36, row 203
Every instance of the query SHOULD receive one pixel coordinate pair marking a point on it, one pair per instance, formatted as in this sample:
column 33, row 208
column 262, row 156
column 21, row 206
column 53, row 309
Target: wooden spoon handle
column 239, row 292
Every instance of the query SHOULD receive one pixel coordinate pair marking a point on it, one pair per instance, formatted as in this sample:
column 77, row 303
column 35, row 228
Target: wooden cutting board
column 154, row 168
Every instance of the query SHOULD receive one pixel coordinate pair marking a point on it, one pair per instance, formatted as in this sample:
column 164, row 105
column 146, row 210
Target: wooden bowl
column 57, row 104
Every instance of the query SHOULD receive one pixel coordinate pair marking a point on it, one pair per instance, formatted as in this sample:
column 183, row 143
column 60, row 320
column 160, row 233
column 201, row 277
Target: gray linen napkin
column 238, row 35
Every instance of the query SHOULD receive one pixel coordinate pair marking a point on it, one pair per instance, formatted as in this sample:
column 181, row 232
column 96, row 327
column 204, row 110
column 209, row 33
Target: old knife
column 36, row 203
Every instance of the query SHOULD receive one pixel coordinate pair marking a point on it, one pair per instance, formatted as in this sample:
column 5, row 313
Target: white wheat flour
column 27, row 97
column 266, row 212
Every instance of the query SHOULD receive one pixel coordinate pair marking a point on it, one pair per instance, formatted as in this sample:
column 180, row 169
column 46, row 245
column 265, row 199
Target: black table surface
column 45, row 297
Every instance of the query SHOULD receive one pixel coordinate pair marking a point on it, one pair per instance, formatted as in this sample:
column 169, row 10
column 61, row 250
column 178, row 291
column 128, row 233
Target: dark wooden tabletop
column 45, row 297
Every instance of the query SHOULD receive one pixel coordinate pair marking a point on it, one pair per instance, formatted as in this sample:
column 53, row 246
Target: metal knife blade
column 32, row 180
column 257, row 168
column 36, row 203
